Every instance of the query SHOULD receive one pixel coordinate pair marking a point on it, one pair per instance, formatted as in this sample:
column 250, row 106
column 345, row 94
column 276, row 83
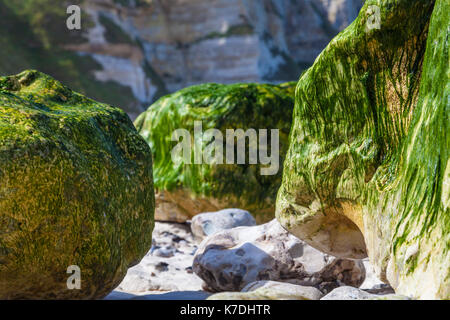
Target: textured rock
column 230, row 260
column 368, row 158
column 372, row 283
column 160, row 296
column 186, row 186
column 351, row 293
column 271, row 290
column 76, row 189
column 130, row 53
column 167, row 266
column 205, row 224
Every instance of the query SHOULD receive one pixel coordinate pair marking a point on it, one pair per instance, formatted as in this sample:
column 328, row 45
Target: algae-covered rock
column 76, row 189
column 212, row 174
column 369, row 147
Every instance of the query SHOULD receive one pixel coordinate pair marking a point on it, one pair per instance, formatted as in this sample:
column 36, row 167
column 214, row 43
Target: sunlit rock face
column 131, row 52
column 367, row 169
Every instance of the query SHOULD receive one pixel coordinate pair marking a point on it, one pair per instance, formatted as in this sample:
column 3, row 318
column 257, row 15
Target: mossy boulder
column 368, row 164
column 75, row 189
column 185, row 187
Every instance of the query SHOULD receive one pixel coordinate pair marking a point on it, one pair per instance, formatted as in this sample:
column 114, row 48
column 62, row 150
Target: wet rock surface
column 351, row 293
column 168, row 265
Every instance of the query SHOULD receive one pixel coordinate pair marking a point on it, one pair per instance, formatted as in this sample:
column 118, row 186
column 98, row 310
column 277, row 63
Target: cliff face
column 143, row 49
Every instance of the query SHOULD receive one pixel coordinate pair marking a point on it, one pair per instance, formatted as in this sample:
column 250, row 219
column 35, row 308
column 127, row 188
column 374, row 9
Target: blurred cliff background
column 131, row 52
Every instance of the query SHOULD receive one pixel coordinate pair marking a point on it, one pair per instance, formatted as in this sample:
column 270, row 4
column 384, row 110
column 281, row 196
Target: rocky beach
column 225, row 150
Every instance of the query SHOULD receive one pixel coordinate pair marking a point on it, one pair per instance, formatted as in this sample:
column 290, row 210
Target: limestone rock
column 130, row 53
column 372, row 283
column 368, row 160
column 160, row 296
column 76, row 190
column 199, row 167
column 271, row 290
column 167, row 267
column 229, row 260
column 205, row 224
column 351, row 293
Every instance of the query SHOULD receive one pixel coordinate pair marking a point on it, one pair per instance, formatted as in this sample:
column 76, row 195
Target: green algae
column 75, row 189
column 238, row 106
column 370, row 128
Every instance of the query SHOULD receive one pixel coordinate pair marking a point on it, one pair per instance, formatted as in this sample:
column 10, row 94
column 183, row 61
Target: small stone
column 209, row 223
column 351, row 293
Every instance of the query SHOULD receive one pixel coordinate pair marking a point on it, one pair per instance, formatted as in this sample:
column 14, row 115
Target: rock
column 130, row 53
column 167, row 266
column 205, row 224
column 198, row 178
column 230, row 260
column 76, row 190
column 351, row 293
column 372, row 283
column 176, row 295
column 367, row 163
column 271, row 290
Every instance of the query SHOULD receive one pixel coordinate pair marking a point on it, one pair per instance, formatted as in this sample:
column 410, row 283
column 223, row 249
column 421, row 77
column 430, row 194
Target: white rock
column 208, row 223
column 351, row 293
column 372, row 283
column 167, row 266
column 178, row 43
column 229, row 260
column 154, row 295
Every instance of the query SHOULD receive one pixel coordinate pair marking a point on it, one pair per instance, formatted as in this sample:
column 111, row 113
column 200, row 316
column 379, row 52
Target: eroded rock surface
column 232, row 259
column 367, row 169
column 130, row 53
column 352, row 293
column 205, row 224
column 271, row 290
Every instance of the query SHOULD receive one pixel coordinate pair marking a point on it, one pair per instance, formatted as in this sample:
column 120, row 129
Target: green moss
column 239, row 106
column 76, row 189
column 370, row 128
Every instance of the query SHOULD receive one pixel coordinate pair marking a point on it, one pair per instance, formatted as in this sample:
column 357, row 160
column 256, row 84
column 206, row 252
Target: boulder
column 199, row 169
column 205, row 224
column 76, row 192
column 351, row 293
column 230, row 260
column 132, row 52
column 368, row 171
column 271, row 290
